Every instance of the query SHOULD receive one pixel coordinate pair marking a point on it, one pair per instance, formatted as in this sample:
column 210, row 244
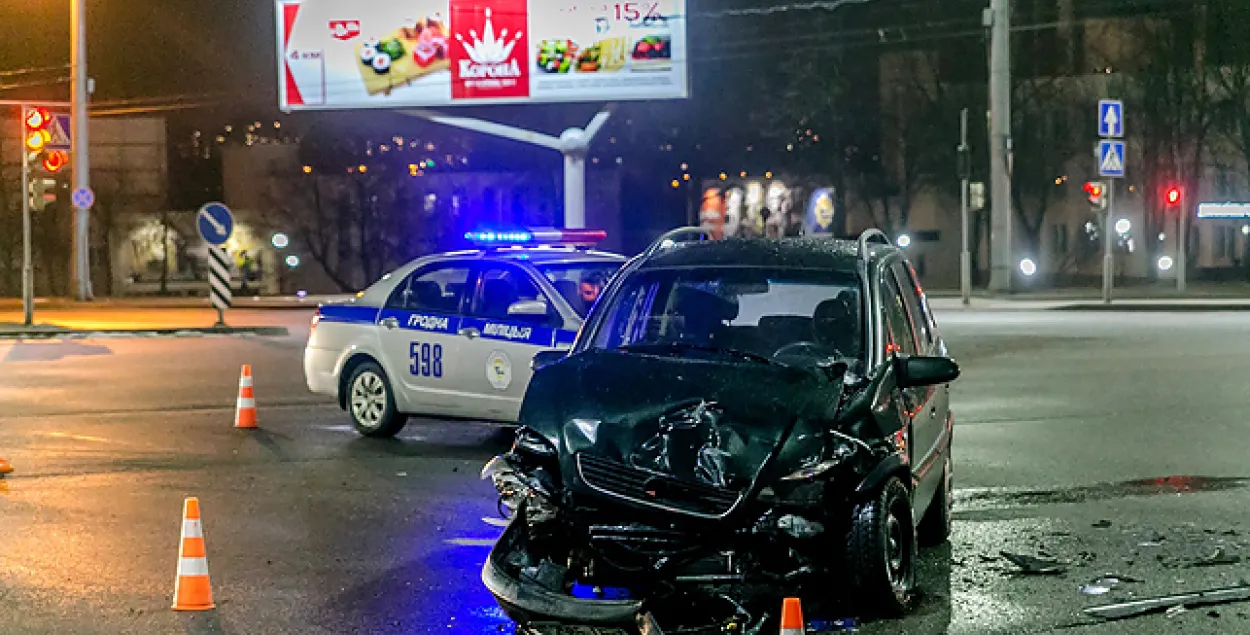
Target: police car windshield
column 580, row 283
column 776, row 313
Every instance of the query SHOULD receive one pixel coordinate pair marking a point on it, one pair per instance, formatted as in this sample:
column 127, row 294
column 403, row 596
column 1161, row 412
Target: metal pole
column 1000, row 147
column 28, row 287
column 1182, row 242
column 574, row 189
column 965, row 256
column 1108, row 259
column 81, row 165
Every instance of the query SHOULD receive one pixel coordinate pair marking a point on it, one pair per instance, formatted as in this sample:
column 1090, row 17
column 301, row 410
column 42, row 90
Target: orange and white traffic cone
column 5, row 467
column 245, row 409
column 192, row 591
column 792, row 617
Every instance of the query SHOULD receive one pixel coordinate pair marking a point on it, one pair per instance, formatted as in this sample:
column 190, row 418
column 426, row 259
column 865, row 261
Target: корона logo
column 489, row 58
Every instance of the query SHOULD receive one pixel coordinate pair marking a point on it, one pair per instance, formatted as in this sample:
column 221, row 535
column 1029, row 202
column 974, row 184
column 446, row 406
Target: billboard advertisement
column 771, row 208
column 342, row 54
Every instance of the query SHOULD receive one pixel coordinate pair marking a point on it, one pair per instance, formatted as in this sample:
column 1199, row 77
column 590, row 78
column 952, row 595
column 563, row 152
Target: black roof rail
column 681, row 234
column 867, row 237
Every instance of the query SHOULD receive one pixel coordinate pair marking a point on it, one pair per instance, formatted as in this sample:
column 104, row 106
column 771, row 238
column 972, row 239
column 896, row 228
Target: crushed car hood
column 702, row 425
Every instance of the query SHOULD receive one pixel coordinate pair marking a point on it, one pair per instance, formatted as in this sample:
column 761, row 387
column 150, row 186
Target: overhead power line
column 829, row 5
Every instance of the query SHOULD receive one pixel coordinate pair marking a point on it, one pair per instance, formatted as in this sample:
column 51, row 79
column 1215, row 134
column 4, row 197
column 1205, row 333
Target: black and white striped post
column 216, row 223
column 219, row 282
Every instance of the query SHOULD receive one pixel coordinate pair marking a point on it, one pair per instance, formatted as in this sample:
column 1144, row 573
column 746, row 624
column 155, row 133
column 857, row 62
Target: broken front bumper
column 526, row 600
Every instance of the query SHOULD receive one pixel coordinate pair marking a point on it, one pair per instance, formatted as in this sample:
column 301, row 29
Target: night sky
column 144, row 48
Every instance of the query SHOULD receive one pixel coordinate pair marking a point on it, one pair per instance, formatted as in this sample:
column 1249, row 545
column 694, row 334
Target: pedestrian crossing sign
column 1111, row 158
column 59, row 133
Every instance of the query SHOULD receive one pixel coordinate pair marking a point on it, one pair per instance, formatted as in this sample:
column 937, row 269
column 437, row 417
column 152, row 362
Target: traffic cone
column 192, row 591
column 245, row 409
column 5, row 467
column 792, row 617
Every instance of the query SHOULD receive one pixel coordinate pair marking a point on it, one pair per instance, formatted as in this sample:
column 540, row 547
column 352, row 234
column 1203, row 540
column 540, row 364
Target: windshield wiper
column 687, row 346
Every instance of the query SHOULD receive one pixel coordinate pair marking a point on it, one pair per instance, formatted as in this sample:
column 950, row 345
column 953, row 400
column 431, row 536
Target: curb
column 1213, row 307
column 63, row 333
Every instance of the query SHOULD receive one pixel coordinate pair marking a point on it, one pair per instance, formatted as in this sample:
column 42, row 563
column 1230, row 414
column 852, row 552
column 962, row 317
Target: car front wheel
column 881, row 551
column 371, row 403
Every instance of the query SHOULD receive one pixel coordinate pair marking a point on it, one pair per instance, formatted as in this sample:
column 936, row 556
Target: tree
column 1047, row 136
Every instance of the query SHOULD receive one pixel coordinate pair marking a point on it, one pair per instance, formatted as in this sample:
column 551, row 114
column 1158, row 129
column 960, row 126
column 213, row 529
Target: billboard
column 338, row 54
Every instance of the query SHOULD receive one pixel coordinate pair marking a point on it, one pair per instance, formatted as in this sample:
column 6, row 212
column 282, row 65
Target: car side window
column 915, row 311
column 437, row 289
column 899, row 336
column 499, row 288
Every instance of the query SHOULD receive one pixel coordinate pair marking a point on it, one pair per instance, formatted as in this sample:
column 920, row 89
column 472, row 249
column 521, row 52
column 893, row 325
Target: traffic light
column 42, row 192
column 36, row 121
column 1096, row 191
column 1172, row 196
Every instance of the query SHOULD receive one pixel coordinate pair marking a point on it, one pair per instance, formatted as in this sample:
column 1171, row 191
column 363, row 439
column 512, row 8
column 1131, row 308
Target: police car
column 452, row 335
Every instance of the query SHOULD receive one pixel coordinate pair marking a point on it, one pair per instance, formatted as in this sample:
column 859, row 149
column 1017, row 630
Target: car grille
column 615, row 478
column 640, row 539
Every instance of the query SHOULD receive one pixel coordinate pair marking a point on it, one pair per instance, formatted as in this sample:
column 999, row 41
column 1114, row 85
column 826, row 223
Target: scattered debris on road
column 1102, row 524
column 1220, row 557
column 1104, row 584
column 1175, row 611
column 1031, row 565
column 1170, row 603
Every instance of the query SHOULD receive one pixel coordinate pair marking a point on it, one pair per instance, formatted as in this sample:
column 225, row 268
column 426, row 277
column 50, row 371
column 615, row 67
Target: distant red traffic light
column 1173, row 195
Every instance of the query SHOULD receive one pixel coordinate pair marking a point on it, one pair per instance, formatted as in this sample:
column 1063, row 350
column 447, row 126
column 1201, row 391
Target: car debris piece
column 1030, row 565
column 1175, row 611
column 1102, row 524
column 1104, row 584
column 1220, row 557
column 1135, row 608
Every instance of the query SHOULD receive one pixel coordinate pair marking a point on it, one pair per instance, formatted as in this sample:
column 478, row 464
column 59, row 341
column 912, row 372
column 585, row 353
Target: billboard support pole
column 573, row 143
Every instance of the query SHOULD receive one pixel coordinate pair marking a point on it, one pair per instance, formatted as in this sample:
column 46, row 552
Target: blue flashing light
column 499, row 238
column 567, row 237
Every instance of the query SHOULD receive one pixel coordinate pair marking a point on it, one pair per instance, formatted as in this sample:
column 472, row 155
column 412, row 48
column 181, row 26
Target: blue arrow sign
column 1111, row 158
column 1111, row 118
column 215, row 223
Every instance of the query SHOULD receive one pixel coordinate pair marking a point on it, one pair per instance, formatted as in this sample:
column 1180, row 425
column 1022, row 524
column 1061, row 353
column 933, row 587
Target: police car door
column 418, row 331
column 509, row 320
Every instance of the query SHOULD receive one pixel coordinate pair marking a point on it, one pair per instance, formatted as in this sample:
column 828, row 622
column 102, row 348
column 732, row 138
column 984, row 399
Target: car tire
column 881, row 551
column 371, row 403
column 935, row 527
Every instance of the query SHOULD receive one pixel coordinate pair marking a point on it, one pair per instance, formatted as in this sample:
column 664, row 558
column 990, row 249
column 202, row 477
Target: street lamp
column 280, row 240
column 1028, row 267
column 79, row 145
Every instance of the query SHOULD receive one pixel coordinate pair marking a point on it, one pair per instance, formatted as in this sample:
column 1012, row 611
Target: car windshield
column 779, row 314
column 580, row 283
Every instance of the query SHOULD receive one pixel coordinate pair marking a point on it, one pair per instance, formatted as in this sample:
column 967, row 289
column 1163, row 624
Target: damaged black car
column 738, row 421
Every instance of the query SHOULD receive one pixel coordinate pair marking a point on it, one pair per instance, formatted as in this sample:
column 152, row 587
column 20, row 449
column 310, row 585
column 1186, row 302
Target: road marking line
column 496, row 522
column 76, row 437
column 471, row 542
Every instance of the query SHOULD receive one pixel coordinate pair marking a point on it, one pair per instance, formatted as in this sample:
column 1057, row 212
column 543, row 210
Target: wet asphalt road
column 1114, row 442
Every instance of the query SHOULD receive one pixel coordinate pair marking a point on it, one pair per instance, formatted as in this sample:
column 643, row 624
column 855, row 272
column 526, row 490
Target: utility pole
column 965, row 174
column 998, row 18
column 1182, row 240
column 81, row 270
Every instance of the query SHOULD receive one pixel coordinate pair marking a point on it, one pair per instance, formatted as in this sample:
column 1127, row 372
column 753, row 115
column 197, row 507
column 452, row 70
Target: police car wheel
column 372, row 403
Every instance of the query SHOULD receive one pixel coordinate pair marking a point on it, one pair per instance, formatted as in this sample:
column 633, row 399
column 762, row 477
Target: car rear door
column 418, row 330
column 496, row 345
column 933, row 400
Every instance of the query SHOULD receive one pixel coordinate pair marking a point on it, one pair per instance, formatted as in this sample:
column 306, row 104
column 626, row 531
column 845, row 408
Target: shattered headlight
column 839, row 454
column 533, row 443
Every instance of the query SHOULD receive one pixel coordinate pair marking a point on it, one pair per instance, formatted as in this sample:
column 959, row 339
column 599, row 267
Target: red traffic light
column 37, row 119
column 54, row 161
column 1094, row 189
column 1173, row 195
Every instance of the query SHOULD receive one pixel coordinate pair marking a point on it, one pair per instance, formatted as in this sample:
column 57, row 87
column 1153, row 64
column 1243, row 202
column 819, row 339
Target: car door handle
column 470, row 332
column 390, row 323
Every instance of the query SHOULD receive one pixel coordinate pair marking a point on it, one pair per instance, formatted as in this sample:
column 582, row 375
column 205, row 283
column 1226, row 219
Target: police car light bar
column 571, row 237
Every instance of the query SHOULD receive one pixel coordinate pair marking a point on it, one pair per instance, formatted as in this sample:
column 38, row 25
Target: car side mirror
column 546, row 358
column 529, row 308
column 917, row 372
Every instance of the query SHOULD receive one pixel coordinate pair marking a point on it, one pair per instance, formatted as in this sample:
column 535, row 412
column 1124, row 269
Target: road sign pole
column 1182, row 242
column 965, row 256
column 1108, row 259
column 81, row 165
column 28, row 280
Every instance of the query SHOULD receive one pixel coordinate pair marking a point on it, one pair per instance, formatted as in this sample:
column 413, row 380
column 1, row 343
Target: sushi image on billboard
column 343, row 54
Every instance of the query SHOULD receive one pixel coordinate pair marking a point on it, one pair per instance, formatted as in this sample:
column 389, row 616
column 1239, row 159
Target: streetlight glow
column 280, row 240
column 1123, row 226
column 903, row 241
column 1028, row 267
column 292, row 261
column 1165, row 263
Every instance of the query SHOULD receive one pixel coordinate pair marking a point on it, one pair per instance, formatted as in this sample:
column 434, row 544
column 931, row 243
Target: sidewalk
column 307, row 303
